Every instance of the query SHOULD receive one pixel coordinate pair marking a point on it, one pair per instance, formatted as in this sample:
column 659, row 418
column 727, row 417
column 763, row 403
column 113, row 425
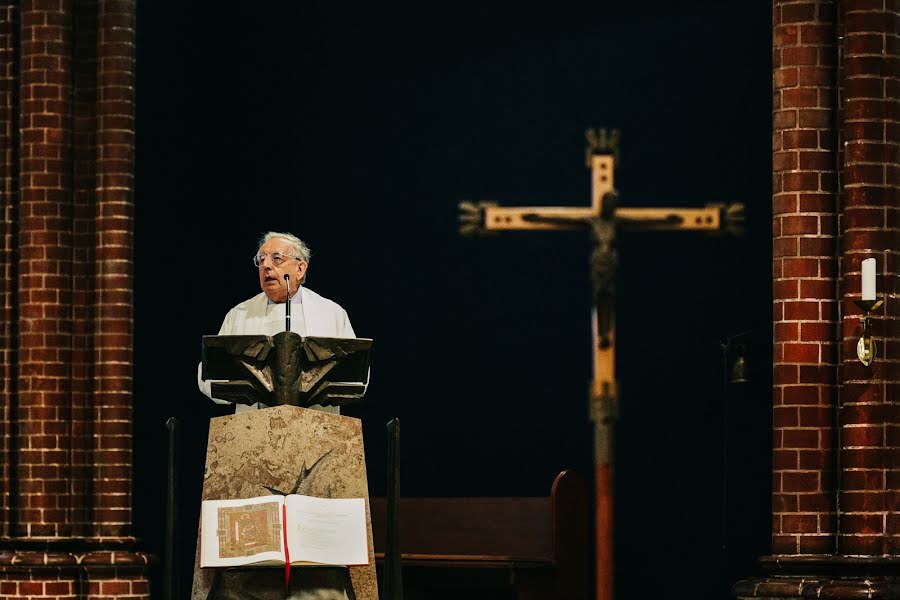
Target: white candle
column 868, row 279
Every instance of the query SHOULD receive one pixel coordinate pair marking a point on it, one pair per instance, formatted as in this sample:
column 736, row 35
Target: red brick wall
column 836, row 161
column 112, row 271
column 66, row 339
column 805, row 276
column 74, row 584
column 45, row 277
column 870, row 227
column 8, row 203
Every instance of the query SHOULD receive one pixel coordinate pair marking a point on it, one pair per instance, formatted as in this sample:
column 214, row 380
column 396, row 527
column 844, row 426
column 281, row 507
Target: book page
column 241, row 532
column 328, row 531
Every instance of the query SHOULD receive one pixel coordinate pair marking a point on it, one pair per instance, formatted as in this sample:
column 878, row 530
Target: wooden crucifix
column 602, row 219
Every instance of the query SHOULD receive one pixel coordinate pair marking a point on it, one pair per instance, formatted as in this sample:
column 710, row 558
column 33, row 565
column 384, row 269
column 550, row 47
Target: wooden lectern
column 286, row 448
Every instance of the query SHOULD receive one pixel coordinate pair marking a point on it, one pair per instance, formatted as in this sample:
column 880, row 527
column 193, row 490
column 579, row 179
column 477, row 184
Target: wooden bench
column 512, row 547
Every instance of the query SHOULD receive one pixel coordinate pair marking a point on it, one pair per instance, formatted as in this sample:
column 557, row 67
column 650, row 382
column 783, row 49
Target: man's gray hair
column 299, row 249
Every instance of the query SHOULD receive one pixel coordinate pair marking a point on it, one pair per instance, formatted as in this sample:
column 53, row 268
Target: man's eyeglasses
column 277, row 258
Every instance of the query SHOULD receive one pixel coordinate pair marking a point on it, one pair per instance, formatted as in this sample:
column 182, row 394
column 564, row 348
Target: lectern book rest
column 286, row 369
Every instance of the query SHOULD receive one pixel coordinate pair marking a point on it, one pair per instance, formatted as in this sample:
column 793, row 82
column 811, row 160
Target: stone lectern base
column 292, row 450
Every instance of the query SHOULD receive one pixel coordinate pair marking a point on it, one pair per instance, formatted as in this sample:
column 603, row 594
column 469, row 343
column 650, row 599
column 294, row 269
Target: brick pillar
column 9, row 183
column 805, row 277
column 870, row 227
column 113, row 270
column 67, row 260
column 45, row 278
column 850, row 549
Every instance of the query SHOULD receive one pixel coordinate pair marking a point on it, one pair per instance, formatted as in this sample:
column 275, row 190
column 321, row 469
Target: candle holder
column 865, row 347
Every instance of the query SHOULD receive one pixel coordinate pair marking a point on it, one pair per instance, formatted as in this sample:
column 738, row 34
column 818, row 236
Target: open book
column 277, row 530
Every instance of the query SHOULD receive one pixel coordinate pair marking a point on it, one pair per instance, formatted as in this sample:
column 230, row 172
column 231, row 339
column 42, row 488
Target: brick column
column 67, row 259
column 9, row 184
column 870, row 227
column 845, row 544
column 112, row 271
column 805, row 276
column 45, row 277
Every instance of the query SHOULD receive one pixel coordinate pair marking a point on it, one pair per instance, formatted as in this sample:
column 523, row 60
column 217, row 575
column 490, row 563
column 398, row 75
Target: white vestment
column 312, row 316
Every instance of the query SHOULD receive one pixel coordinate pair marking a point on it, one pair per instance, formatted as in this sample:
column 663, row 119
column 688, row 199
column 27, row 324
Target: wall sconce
column 865, row 347
column 735, row 365
column 739, row 369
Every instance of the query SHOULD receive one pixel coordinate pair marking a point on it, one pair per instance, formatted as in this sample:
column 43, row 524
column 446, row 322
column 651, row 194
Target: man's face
column 271, row 277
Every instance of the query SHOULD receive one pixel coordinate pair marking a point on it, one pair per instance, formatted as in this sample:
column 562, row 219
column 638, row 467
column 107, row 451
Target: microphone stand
column 287, row 304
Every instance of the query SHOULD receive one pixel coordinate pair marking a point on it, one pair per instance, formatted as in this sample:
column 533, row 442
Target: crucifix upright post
column 603, row 219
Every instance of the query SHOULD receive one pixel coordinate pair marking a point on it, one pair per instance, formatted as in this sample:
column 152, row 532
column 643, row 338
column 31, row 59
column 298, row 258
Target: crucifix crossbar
column 602, row 219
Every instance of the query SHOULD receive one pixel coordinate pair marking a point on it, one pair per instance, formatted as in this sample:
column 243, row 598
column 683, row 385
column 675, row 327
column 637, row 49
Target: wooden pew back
column 541, row 544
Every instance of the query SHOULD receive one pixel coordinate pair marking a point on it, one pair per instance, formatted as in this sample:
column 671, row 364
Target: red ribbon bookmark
column 287, row 554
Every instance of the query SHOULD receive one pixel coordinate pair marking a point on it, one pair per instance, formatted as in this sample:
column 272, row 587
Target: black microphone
column 287, row 304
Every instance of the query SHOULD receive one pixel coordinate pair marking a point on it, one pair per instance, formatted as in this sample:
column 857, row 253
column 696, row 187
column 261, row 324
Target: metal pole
column 393, row 572
column 171, row 576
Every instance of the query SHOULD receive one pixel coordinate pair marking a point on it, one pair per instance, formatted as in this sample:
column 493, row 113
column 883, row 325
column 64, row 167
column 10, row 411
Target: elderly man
column 312, row 315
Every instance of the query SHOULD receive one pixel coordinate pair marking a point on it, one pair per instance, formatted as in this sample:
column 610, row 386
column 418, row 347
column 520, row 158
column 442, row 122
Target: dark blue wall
column 359, row 126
